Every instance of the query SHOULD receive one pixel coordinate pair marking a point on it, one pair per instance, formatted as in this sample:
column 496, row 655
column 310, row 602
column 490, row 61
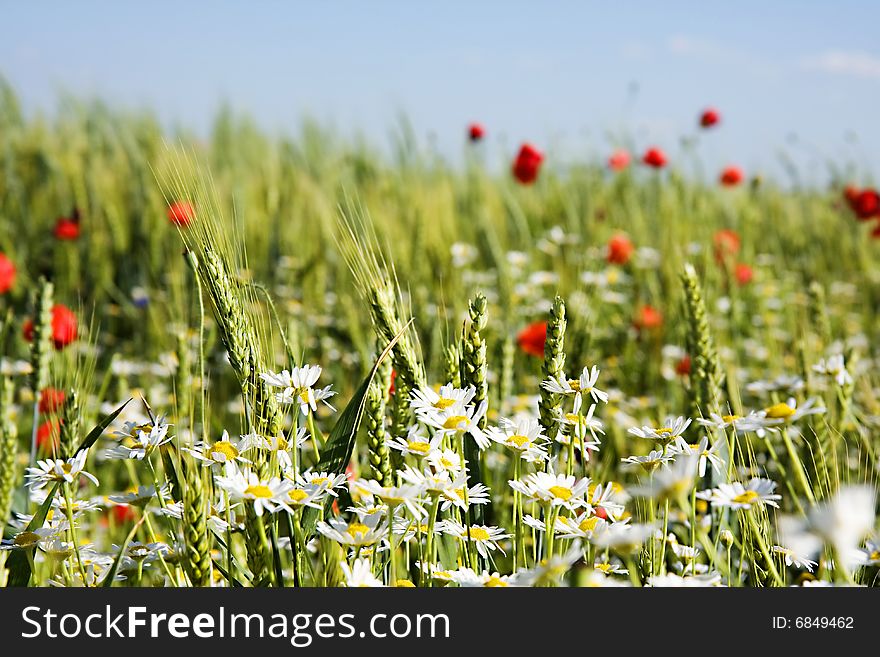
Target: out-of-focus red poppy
column 391, row 387
column 726, row 243
column 599, row 512
column 654, row 157
column 7, row 274
column 876, row 232
column 48, row 435
column 532, row 338
column 648, row 318
column 51, row 399
column 527, row 163
column 619, row 160
column 123, row 513
column 710, row 117
column 66, row 229
column 865, row 203
column 744, row 274
column 181, row 213
column 476, row 131
column 731, row 176
column 64, row 326
column 683, row 366
column 620, row 249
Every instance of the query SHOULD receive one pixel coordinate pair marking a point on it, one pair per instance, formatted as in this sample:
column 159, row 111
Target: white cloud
column 841, row 62
column 685, row 45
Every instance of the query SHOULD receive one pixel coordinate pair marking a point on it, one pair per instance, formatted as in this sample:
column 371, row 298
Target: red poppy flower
column 744, row 274
column 683, row 367
column 527, row 163
column 865, row 203
column 619, row 160
column 655, row 158
column 64, row 326
column 476, row 131
column 181, row 213
column 648, row 318
column 51, row 399
column 532, row 338
column 66, row 229
column 123, row 513
column 709, row 118
column 48, row 435
column 731, row 176
column 726, row 243
column 391, row 387
column 620, row 249
column 599, row 512
column 7, row 274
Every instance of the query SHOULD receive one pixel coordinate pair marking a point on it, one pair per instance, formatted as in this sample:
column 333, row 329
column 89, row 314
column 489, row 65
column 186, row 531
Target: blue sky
column 800, row 76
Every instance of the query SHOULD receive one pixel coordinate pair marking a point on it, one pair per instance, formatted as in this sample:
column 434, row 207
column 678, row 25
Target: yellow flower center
column 748, row 497
column 443, row 403
column 479, row 534
column 419, row 446
column 320, row 481
column 298, row 495
column 519, row 441
column 356, row 528
column 560, row 492
column 258, row 490
column 730, row 418
column 446, row 463
column 664, row 431
column 574, row 384
column 405, row 584
column 495, row 582
column 780, row 411
column 140, row 428
column 454, row 421
column 604, row 567
column 226, row 448
column 588, row 524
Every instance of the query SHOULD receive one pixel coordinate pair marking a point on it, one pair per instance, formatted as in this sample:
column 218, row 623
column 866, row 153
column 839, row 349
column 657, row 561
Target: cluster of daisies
column 471, row 502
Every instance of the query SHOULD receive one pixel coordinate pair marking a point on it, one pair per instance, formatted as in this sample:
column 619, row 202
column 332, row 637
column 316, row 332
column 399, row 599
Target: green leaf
column 340, row 443
column 99, row 429
column 19, row 565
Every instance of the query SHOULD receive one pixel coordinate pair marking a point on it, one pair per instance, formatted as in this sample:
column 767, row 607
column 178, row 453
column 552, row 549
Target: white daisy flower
column 271, row 495
column 736, row 496
column 360, row 575
column 298, row 387
column 484, row 537
column 463, row 498
column 672, row 428
column 359, row 532
column 554, row 489
column 444, row 459
column 460, row 419
column 416, row 443
column 407, row 496
column 524, row 436
column 835, row 368
column 138, row 441
column 427, row 400
column 216, row 456
column 702, row 450
column 52, row 471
